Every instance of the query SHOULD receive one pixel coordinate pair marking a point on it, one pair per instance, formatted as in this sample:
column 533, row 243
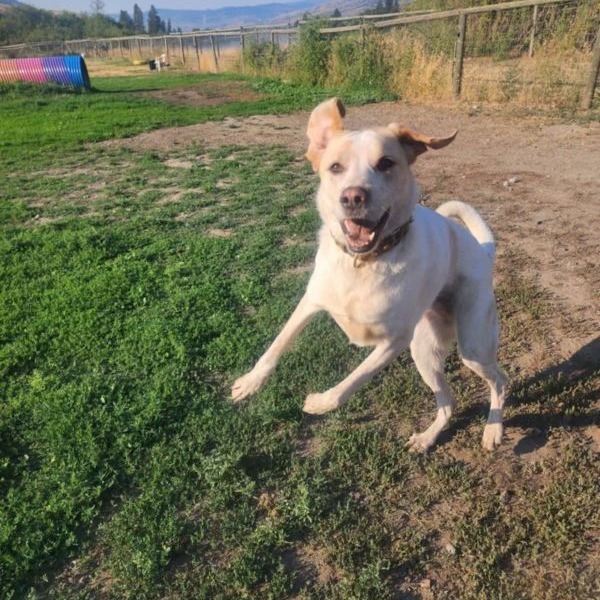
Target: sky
column 115, row 6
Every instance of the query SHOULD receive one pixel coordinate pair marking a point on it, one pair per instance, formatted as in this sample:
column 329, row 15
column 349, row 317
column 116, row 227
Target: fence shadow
column 562, row 378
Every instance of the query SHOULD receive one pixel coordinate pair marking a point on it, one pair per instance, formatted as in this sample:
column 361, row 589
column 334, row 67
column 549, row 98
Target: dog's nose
column 354, row 197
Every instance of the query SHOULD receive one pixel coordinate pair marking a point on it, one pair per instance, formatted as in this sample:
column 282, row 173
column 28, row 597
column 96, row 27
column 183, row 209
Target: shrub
column 309, row 56
column 360, row 62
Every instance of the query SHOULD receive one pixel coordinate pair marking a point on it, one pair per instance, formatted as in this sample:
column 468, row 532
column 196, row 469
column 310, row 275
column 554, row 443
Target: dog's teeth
column 371, row 236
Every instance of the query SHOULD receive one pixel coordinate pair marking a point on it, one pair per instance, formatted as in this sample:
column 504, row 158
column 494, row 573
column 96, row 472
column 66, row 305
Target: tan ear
column 325, row 120
column 415, row 143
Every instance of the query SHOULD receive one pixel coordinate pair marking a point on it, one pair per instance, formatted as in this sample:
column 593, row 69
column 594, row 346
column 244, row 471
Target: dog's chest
column 360, row 334
column 360, row 306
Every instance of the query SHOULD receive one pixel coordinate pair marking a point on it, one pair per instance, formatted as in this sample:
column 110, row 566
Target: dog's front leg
column 251, row 382
column 382, row 355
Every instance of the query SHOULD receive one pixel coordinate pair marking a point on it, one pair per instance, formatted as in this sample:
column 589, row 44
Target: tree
column 23, row 23
column 336, row 13
column 97, row 6
column 138, row 19
column 126, row 22
column 169, row 28
column 155, row 25
column 100, row 26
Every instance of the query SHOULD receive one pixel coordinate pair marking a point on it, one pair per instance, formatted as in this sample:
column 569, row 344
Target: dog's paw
column 419, row 442
column 492, row 436
column 319, row 404
column 247, row 385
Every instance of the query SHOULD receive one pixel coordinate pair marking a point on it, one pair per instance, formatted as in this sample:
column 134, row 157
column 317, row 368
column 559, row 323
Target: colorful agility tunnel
column 69, row 69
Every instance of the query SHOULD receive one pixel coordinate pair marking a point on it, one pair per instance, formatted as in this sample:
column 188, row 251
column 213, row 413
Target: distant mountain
column 233, row 16
column 5, row 4
column 325, row 8
column 263, row 14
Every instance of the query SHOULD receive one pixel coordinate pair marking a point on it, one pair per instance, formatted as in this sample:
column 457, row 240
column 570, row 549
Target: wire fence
column 533, row 51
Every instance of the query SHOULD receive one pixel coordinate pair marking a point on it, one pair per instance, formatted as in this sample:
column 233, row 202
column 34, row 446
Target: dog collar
column 389, row 242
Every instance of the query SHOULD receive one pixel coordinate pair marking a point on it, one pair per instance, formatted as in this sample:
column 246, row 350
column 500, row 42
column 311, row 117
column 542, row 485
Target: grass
column 39, row 124
column 133, row 292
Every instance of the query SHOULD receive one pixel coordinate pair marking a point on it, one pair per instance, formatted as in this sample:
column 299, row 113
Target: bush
column 309, row 56
column 360, row 62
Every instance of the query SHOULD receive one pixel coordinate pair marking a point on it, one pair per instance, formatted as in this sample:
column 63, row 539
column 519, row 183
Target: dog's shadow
column 565, row 381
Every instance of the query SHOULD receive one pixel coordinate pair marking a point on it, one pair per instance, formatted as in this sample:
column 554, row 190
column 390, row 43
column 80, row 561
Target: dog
column 161, row 62
column 392, row 273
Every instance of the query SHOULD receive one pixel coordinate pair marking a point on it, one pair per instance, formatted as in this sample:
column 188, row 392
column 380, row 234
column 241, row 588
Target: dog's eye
column 336, row 168
column 384, row 164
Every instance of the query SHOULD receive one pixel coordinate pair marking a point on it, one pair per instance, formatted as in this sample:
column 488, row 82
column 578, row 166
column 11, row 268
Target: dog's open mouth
column 362, row 235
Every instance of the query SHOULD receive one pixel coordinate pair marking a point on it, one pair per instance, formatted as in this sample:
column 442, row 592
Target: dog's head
column 367, row 190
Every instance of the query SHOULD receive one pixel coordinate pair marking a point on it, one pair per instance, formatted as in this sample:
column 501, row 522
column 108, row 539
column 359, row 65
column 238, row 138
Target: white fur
column 432, row 288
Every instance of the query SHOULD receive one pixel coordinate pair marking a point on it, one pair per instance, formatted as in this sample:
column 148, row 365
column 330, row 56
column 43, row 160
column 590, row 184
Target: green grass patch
column 38, row 123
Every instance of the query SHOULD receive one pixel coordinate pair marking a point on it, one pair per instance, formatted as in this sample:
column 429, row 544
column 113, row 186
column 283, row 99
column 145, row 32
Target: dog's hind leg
column 477, row 331
column 498, row 382
column 429, row 348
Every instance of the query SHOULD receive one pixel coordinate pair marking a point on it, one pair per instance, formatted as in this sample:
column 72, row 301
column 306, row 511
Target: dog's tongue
column 358, row 233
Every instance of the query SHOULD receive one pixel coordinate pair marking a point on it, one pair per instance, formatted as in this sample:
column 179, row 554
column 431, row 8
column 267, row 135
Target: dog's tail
column 474, row 222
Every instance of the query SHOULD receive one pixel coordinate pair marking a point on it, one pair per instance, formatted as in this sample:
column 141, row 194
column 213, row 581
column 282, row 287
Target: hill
column 233, row 16
column 7, row 4
column 246, row 16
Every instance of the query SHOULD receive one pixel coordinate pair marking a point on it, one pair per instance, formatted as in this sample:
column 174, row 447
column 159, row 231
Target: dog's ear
column 325, row 120
column 415, row 143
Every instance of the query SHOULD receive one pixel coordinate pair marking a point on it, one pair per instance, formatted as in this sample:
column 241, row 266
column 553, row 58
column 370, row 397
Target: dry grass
column 547, row 79
column 422, row 75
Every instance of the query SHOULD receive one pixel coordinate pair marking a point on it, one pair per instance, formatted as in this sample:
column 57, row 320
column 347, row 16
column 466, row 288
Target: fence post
column 197, row 51
column 590, row 88
column 182, row 50
column 214, row 49
column 533, row 26
column 460, row 53
column 242, row 50
column 363, row 43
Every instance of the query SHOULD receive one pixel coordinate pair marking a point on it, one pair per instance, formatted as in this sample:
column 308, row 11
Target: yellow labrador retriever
column 392, row 273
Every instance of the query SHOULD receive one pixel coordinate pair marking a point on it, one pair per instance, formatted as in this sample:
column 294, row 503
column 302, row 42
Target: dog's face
column 367, row 190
